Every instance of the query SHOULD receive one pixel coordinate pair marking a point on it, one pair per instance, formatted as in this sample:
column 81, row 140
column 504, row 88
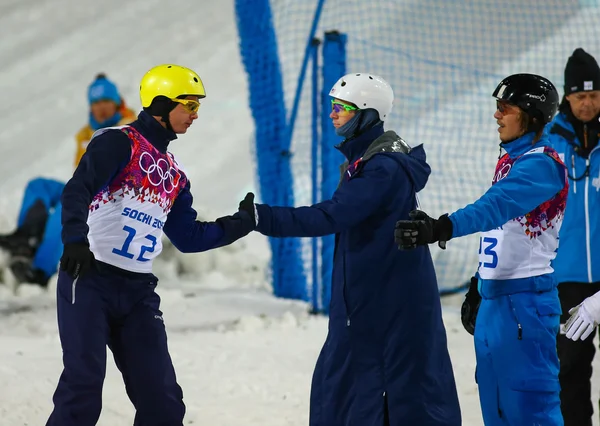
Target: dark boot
column 18, row 244
column 24, row 272
column 26, row 239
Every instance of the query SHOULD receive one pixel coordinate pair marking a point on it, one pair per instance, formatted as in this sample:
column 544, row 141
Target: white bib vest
column 126, row 217
column 524, row 246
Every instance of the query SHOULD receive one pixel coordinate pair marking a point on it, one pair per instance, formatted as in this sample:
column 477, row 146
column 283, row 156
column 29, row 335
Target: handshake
column 422, row 230
column 247, row 205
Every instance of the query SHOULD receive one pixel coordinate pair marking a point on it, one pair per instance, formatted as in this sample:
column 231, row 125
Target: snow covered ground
column 242, row 356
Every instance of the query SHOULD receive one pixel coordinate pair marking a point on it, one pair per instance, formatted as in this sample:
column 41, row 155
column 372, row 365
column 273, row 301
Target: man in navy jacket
column 126, row 191
column 385, row 360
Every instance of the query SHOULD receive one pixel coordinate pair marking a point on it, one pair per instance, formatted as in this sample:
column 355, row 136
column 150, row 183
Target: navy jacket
column 386, row 344
column 106, row 155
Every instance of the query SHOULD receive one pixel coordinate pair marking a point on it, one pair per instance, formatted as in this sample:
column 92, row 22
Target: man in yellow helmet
column 126, row 191
column 35, row 246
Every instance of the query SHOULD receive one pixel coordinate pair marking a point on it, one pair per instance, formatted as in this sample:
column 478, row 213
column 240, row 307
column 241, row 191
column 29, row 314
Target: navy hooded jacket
column 386, row 351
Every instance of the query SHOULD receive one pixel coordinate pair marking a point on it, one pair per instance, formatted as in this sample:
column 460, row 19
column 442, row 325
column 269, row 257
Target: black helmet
column 534, row 94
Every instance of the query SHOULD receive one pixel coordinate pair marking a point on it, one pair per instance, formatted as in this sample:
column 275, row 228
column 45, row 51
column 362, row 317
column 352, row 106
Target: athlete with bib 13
column 126, row 191
column 517, row 297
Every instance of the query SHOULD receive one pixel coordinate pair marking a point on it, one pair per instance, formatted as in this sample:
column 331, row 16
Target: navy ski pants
column 120, row 311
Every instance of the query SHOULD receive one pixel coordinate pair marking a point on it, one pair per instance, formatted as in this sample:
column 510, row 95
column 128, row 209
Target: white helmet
column 365, row 91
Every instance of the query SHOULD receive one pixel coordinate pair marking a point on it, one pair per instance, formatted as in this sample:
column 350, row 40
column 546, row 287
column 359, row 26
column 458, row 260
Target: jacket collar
column 520, row 145
column 152, row 130
column 355, row 147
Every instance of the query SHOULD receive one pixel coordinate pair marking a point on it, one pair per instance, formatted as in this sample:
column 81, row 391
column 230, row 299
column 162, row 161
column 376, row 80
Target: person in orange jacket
column 35, row 246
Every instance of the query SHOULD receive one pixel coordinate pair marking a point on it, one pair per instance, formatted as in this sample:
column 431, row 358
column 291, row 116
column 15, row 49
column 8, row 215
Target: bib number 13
column 124, row 250
column 490, row 257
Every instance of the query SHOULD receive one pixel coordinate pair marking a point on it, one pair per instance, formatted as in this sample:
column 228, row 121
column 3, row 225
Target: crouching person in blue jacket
column 385, row 360
column 520, row 217
column 126, row 191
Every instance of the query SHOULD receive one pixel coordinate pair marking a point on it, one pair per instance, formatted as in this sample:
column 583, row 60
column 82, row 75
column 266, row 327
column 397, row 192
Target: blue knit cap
column 103, row 89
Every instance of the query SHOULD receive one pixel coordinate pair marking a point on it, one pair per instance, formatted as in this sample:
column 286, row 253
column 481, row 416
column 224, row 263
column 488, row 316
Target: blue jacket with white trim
column 514, row 195
column 578, row 257
column 532, row 180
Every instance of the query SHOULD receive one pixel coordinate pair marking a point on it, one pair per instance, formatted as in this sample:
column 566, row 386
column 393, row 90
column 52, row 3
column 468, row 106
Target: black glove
column 422, row 230
column 77, row 259
column 247, row 205
column 470, row 307
column 240, row 224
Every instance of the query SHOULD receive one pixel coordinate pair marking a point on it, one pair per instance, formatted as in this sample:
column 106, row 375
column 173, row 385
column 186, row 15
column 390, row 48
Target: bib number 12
column 124, row 250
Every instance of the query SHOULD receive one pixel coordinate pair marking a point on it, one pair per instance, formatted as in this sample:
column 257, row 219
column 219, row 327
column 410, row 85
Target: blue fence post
column 302, row 75
column 315, row 163
column 334, row 66
column 255, row 27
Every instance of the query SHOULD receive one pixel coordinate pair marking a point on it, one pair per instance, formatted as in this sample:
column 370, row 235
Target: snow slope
column 242, row 357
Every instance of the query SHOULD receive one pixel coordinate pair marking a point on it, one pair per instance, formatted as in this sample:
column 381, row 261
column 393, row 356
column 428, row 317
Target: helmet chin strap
column 165, row 119
column 161, row 107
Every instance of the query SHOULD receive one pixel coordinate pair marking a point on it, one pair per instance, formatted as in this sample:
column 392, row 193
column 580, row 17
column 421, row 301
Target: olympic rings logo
column 502, row 173
column 159, row 172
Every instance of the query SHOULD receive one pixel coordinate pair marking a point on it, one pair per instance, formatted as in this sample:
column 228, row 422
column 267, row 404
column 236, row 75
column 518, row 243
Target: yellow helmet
column 170, row 81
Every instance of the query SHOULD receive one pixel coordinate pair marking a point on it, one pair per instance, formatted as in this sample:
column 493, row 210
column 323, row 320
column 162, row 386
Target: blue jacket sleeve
column 534, row 179
column 351, row 204
column 105, row 157
column 189, row 235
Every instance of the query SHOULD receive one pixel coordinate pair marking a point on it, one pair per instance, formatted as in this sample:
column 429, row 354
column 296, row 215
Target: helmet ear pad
column 161, row 106
column 532, row 120
column 535, row 121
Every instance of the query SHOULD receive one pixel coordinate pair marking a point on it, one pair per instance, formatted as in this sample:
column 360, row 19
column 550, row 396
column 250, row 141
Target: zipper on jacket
column 514, row 311
column 573, row 169
column 344, row 290
column 500, row 414
column 588, row 249
column 586, row 207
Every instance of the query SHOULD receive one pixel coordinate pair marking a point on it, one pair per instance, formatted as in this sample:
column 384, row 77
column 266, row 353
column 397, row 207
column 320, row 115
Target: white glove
column 584, row 318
